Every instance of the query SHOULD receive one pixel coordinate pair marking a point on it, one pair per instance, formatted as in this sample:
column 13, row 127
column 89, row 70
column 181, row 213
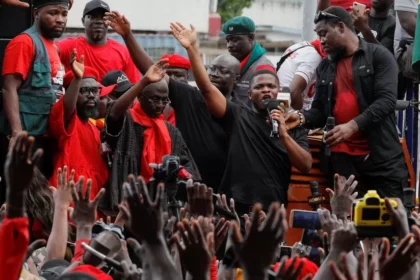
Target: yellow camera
column 372, row 211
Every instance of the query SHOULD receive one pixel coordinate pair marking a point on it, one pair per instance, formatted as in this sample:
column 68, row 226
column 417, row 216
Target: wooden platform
column 299, row 185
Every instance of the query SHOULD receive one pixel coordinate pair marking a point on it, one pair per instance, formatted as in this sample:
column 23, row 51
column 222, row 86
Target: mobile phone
column 359, row 8
column 285, row 251
column 304, row 219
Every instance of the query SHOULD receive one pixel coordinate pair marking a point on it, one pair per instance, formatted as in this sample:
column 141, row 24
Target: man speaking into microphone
column 258, row 167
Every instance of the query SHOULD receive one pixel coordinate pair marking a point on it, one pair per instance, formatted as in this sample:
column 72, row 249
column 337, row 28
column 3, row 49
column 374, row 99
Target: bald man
column 140, row 136
column 204, row 136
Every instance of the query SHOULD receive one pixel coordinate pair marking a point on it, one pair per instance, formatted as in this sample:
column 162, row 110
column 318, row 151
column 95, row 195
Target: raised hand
column 256, row 252
column 329, row 222
column 84, row 212
column 222, row 201
column 16, row 3
column 77, row 66
column 341, row 199
column 63, row 194
column 157, row 71
column 198, row 250
column 398, row 217
column 200, row 200
column 118, row 22
column 346, row 274
column 220, row 232
column 131, row 272
column 344, row 239
column 185, row 37
column 145, row 216
column 20, row 164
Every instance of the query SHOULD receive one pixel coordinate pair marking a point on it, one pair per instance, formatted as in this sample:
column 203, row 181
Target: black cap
column 95, row 4
column 52, row 270
column 119, row 78
column 41, row 3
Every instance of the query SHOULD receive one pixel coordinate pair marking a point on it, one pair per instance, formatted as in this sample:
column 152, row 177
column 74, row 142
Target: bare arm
column 300, row 158
column 297, row 87
column 155, row 73
column 11, row 83
column 322, row 5
column 215, row 100
column 408, row 21
column 70, row 99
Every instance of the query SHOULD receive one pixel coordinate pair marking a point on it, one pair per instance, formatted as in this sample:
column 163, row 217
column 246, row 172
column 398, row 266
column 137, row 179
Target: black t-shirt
column 203, row 134
column 258, row 167
column 383, row 29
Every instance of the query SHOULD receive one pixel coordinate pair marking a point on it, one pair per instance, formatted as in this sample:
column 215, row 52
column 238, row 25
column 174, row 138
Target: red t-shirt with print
column 346, row 108
column 19, row 55
column 111, row 56
column 346, row 4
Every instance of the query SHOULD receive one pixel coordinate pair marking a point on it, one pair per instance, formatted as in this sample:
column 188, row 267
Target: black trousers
column 45, row 165
column 388, row 178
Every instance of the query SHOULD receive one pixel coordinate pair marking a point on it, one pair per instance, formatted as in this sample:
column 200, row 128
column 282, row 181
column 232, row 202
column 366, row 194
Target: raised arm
column 122, row 26
column 72, row 93
column 153, row 75
column 215, row 100
column 322, row 5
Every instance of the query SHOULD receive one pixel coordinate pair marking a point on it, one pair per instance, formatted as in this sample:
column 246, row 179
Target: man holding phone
column 376, row 25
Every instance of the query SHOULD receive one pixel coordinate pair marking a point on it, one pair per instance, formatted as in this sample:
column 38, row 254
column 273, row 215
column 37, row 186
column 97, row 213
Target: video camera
column 172, row 173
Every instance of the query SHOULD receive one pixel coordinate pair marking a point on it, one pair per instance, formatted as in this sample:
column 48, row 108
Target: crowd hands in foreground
column 162, row 248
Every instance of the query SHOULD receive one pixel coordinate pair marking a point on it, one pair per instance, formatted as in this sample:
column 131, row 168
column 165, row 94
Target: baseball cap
column 119, row 78
column 95, row 4
column 52, row 269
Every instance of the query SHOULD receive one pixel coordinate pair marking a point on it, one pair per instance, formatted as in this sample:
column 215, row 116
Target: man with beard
column 357, row 86
column 203, row 134
column 77, row 140
column 259, row 167
column 30, row 66
column 140, row 136
column 100, row 53
column 241, row 43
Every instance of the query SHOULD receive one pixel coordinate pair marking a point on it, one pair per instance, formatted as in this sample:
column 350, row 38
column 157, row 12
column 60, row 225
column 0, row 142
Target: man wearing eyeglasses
column 140, row 136
column 78, row 144
column 357, row 85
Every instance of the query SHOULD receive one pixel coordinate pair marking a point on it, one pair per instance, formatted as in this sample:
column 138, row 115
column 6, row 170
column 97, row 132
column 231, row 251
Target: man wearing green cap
column 31, row 69
column 241, row 43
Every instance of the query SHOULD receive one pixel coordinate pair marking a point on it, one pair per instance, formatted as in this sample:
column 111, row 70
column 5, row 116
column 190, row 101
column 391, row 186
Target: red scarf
column 157, row 141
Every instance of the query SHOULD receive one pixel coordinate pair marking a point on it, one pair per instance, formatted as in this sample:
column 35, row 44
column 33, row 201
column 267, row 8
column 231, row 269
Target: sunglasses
column 324, row 15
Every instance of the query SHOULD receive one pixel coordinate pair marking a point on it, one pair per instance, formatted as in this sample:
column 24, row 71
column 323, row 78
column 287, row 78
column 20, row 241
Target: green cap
column 239, row 25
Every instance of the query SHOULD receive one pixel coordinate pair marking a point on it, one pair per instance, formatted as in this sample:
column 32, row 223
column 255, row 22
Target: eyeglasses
column 86, row 90
column 157, row 100
column 324, row 15
column 214, row 69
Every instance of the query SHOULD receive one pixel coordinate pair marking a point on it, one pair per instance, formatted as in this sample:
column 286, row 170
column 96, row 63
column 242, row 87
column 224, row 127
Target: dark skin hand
column 19, row 171
column 340, row 133
column 291, row 273
column 11, row 83
column 16, row 3
column 200, row 200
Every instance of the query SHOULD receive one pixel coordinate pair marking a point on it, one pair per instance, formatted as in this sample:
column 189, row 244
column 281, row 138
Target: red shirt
column 111, row 56
column 346, row 108
column 19, row 55
column 346, row 4
column 78, row 147
column 14, row 242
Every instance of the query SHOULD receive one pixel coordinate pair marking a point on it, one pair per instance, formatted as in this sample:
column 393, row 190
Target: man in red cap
column 177, row 70
column 77, row 139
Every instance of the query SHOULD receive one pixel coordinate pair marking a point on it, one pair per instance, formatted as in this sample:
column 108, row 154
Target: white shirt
column 302, row 62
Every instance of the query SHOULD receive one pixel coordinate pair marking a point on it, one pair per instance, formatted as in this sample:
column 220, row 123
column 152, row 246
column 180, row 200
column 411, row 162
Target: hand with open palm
column 77, row 66
column 118, row 22
column 185, row 37
column 157, row 71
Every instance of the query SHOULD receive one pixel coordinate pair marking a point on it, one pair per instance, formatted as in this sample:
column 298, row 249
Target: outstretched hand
column 157, row 71
column 185, row 37
column 77, row 66
column 118, row 22
column 62, row 195
column 343, row 195
column 20, row 164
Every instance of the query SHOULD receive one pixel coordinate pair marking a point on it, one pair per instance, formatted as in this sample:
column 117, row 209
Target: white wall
column 152, row 15
column 282, row 13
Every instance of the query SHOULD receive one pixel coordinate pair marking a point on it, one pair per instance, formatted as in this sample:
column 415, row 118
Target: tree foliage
column 232, row 8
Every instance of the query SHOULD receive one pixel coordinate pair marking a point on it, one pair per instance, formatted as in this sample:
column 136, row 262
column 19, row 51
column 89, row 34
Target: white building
column 155, row 15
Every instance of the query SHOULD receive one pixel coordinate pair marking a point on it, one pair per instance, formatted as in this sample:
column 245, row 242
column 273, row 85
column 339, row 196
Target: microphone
column 316, row 198
column 329, row 126
column 272, row 104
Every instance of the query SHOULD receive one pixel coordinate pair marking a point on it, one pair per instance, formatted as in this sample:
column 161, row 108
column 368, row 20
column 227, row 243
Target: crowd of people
column 115, row 167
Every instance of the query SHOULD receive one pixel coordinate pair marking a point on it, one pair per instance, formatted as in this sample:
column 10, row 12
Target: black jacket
column 375, row 80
